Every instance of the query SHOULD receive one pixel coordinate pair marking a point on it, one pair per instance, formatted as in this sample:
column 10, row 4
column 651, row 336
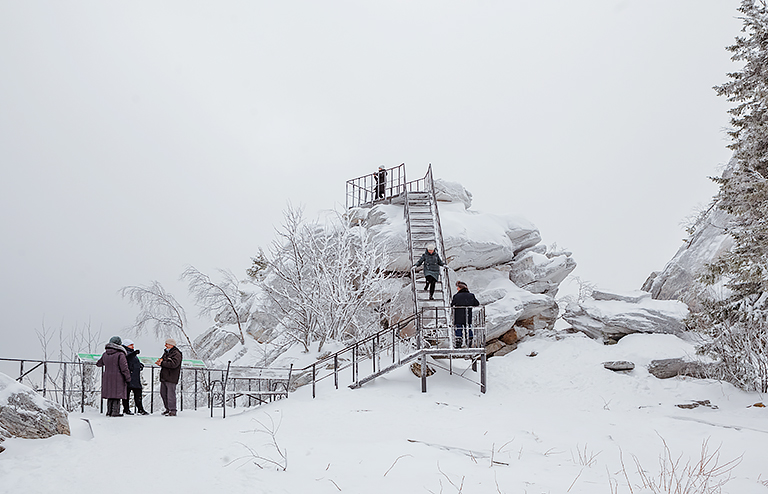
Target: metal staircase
column 434, row 333
column 423, row 226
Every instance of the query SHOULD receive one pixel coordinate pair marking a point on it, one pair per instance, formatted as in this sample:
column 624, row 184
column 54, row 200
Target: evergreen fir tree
column 739, row 323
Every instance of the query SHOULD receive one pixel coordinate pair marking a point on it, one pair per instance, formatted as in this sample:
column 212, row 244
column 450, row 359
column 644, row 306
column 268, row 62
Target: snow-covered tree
column 326, row 280
column 158, row 310
column 223, row 299
column 739, row 323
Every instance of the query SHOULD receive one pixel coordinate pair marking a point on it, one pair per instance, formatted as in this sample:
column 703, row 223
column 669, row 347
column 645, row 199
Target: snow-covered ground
column 553, row 421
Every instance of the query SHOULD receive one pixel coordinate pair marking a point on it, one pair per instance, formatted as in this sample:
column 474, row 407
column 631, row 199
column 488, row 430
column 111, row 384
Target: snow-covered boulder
column 540, row 273
column 26, row 414
column 612, row 316
column 506, row 304
column 452, row 192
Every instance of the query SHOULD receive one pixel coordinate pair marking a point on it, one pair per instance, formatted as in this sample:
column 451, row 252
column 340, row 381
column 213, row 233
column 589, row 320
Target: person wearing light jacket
column 432, row 262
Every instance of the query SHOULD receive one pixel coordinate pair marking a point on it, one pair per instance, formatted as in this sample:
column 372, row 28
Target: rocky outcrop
column 26, row 414
column 500, row 257
column 609, row 317
column 678, row 279
column 214, row 343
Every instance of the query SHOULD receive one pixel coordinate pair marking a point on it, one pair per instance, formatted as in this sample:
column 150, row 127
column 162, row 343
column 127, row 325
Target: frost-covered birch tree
column 739, row 323
column 327, row 280
column 224, row 299
column 158, row 311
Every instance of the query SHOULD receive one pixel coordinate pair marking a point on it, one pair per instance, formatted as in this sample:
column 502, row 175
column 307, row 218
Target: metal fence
column 77, row 385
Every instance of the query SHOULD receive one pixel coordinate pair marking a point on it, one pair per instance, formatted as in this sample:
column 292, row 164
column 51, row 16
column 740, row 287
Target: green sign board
column 93, row 357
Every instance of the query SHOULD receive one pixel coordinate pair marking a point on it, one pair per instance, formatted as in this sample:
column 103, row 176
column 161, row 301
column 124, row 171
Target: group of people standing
column 122, row 377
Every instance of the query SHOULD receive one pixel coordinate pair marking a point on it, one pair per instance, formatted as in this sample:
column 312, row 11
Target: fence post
column 152, row 390
column 21, row 371
column 314, row 376
column 45, row 376
column 336, row 370
column 181, row 380
column 482, row 372
column 82, row 388
column 64, row 387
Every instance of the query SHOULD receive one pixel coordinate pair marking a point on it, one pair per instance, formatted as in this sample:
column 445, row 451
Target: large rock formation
column 500, row 257
column 26, row 414
column 609, row 316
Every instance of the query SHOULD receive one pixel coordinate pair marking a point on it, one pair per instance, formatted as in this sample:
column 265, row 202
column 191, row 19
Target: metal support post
column 423, row 372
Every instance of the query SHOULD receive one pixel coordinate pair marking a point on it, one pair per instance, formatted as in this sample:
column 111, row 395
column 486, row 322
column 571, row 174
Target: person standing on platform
column 380, row 177
column 462, row 303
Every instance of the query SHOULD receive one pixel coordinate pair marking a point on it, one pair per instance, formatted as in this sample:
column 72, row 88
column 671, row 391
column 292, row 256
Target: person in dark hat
column 462, row 304
column 170, row 370
column 115, row 378
column 134, row 366
column 380, row 189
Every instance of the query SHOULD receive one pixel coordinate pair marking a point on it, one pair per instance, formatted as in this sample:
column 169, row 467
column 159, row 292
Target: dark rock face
column 26, row 414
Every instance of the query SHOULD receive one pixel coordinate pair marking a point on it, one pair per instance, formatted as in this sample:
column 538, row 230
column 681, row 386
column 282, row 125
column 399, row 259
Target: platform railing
column 361, row 191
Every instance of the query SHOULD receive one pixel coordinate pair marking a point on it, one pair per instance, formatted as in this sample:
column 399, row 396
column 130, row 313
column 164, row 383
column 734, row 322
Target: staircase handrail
column 399, row 325
column 407, row 213
column 428, row 178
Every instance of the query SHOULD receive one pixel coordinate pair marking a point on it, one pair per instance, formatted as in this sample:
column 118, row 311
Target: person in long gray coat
column 432, row 262
column 116, row 376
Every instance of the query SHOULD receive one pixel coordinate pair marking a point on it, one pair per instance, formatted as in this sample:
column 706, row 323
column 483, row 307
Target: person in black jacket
column 380, row 188
column 462, row 303
column 170, row 370
column 134, row 366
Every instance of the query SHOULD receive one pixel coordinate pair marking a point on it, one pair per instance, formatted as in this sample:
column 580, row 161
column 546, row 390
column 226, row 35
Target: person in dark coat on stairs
column 170, row 370
column 115, row 378
column 135, row 366
column 462, row 313
column 432, row 262
column 380, row 188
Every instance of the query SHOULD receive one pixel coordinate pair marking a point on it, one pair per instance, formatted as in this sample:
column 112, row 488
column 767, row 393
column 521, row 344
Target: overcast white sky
column 140, row 137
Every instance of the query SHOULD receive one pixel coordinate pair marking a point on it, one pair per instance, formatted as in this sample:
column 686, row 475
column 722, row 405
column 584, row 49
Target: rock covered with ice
column 26, row 414
column 610, row 316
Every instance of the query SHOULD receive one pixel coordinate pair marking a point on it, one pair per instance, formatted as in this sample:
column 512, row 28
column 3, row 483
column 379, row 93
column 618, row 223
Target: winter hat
column 430, row 246
column 461, row 285
column 127, row 342
column 115, row 340
column 170, row 341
